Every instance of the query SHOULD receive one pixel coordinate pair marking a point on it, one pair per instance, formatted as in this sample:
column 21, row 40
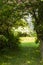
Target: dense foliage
column 13, row 10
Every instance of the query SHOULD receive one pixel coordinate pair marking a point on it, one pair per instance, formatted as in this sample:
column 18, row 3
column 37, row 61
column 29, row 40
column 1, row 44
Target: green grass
column 30, row 44
column 28, row 54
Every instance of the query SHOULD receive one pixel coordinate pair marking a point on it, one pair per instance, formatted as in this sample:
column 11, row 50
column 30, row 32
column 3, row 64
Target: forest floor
column 28, row 54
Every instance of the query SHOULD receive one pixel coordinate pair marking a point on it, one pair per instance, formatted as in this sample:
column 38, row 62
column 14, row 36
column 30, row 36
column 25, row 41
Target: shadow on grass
column 25, row 56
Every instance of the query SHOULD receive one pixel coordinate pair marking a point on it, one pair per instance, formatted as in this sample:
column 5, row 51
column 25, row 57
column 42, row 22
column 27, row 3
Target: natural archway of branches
column 11, row 11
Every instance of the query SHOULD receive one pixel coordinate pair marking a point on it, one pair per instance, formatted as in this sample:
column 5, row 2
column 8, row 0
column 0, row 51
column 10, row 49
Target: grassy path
column 28, row 54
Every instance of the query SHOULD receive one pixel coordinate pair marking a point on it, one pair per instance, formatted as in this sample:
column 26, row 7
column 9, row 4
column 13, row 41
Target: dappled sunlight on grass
column 28, row 62
column 41, row 62
column 9, row 57
column 24, row 56
column 28, row 54
column 6, row 63
column 27, row 39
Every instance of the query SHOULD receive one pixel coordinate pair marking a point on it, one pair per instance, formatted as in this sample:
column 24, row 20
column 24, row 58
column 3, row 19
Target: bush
column 3, row 41
column 13, row 39
column 9, row 39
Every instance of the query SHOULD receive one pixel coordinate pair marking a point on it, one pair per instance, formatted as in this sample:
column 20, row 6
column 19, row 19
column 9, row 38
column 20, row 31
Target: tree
column 11, row 11
column 36, row 10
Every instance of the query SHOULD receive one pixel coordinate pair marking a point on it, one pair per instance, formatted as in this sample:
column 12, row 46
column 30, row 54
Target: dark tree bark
column 39, row 26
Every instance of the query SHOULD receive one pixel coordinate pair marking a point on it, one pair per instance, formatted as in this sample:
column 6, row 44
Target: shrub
column 13, row 39
column 3, row 41
column 9, row 39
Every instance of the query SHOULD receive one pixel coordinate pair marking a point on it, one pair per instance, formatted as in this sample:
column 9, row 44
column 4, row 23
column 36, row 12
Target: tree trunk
column 41, row 49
